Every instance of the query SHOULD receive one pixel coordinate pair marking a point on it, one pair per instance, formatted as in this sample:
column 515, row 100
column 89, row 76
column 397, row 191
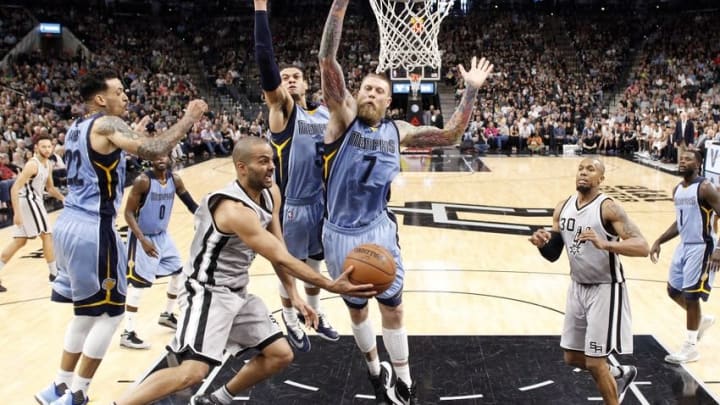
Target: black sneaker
column 624, row 381
column 382, row 383
column 297, row 336
column 2, row 288
column 204, row 399
column 324, row 329
column 402, row 395
column 168, row 319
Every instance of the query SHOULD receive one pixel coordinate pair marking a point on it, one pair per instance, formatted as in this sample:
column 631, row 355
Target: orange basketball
column 373, row 265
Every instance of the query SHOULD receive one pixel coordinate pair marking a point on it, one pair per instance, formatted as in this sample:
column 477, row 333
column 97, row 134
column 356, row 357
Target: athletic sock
column 80, row 385
column 374, row 366
column 52, row 268
column 223, row 395
column 314, row 302
column 290, row 315
column 64, row 377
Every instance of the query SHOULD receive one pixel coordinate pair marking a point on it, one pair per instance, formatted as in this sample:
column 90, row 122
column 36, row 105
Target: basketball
column 373, row 265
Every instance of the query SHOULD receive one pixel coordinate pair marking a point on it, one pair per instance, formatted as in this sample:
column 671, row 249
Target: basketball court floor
column 483, row 308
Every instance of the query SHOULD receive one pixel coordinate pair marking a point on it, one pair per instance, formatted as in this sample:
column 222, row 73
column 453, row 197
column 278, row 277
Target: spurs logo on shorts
column 595, row 347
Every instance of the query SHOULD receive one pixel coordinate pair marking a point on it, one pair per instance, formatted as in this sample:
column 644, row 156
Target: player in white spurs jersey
column 30, row 217
column 232, row 226
column 595, row 231
column 697, row 257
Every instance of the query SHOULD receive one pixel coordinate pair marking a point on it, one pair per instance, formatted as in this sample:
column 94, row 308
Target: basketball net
column 409, row 31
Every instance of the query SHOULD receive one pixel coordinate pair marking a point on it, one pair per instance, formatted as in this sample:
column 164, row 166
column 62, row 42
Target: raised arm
column 431, row 136
column 338, row 99
column 119, row 133
column 277, row 98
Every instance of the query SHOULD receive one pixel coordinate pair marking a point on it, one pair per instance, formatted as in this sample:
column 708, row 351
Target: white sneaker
column 705, row 323
column 132, row 341
column 687, row 354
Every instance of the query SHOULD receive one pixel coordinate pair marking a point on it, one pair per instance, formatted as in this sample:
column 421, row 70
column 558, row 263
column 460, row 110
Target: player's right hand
column 196, row 108
column 17, row 219
column 655, row 252
column 343, row 285
column 540, row 237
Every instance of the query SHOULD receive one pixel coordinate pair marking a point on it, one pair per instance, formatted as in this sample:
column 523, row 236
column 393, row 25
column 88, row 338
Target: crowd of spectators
column 555, row 81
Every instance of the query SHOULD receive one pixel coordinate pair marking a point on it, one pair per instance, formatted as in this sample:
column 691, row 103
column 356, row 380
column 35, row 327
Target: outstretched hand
column 478, row 73
column 343, row 285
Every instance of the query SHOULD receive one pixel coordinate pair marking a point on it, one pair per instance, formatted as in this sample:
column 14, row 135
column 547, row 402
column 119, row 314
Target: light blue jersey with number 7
column 358, row 169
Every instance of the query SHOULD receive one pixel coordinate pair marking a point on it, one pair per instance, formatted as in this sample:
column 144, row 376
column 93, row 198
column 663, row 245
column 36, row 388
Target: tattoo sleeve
column 431, row 136
column 110, row 125
column 333, row 82
column 161, row 145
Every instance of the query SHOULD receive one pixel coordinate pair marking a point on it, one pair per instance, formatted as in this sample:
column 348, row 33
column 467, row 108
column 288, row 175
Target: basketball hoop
column 409, row 31
column 415, row 79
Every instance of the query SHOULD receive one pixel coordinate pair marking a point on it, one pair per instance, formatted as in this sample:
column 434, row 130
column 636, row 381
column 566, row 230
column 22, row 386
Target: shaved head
column 599, row 165
column 243, row 150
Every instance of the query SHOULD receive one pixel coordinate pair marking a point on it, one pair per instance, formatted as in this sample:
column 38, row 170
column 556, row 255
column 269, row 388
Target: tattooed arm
column 120, row 135
column 432, row 136
column 340, row 102
column 631, row 243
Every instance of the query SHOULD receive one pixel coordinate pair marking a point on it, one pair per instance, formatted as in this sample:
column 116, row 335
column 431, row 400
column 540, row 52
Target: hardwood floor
column 469, row 269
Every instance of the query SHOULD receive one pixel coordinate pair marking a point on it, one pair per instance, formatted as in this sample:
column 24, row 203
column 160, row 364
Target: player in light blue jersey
column 90, row 255
column 361, row 158
column 151, row 251
column 697, row 256
column 297, row 134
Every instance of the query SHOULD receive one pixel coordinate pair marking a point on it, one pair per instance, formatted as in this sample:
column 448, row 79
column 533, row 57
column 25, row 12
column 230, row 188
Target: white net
column 409, row 31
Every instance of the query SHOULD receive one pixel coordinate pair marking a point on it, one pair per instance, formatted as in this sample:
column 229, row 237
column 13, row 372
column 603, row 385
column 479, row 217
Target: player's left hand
column 589, row 235
column 714, row 262
column 478, row 73
column 311, row 317
column 17, row 219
